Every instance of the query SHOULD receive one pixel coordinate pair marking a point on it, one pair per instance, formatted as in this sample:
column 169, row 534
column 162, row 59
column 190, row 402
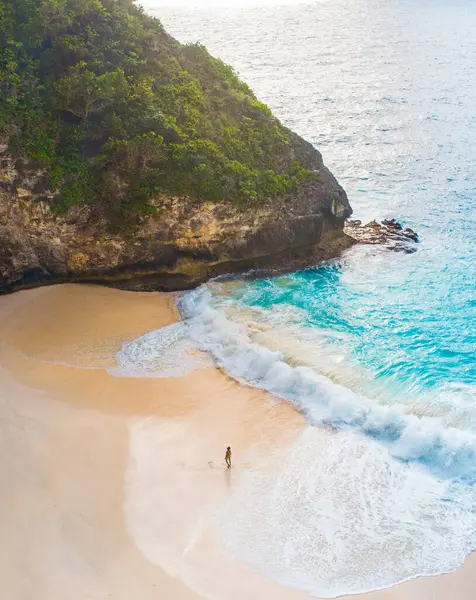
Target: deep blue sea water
column 381, row 345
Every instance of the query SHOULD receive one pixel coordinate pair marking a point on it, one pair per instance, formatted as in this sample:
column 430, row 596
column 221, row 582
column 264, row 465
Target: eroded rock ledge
column 186, row 245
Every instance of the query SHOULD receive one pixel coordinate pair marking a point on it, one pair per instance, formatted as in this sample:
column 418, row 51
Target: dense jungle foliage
column 118, row 112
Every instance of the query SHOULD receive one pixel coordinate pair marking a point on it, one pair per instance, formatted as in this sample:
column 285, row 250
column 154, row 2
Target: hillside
column 110, row 129
column 118, row 111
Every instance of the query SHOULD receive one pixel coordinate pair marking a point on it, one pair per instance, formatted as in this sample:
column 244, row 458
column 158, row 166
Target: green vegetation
column 117, row 111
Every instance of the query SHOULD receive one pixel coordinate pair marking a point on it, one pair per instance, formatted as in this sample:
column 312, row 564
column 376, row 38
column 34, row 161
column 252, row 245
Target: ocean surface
column 377, row 349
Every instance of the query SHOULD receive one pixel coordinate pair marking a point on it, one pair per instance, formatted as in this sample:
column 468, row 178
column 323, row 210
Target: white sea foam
column 166, row 352
column 342, row 516
column 338, row 515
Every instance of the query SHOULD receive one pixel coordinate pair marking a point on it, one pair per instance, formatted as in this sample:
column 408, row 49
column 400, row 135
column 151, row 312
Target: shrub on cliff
column 117, row 111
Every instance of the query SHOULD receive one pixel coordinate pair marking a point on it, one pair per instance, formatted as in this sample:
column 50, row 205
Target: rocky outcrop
column 389, row 233
column 184, row 246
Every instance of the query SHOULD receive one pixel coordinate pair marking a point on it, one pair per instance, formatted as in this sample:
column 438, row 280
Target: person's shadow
column 228, row 478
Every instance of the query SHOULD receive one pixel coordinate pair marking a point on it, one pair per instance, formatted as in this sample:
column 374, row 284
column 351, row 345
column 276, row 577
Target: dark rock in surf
column 390, row 233
column 410, row 234
column 392, row 224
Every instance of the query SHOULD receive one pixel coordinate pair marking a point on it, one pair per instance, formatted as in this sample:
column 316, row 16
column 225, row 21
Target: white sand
column 108, row 483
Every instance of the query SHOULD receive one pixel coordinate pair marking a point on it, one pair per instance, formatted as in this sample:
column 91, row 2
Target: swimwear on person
column 228, row 457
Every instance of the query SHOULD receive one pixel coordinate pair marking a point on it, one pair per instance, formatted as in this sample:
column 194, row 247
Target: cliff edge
column 129, row 159
column 185, row 245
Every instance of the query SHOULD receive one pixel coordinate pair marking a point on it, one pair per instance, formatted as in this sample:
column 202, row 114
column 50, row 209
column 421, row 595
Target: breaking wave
column 448, row 452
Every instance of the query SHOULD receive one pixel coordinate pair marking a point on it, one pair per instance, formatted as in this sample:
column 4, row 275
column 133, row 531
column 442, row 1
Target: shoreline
column 86, row 472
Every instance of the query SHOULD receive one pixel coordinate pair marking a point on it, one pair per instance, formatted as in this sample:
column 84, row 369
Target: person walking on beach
column 228, row 457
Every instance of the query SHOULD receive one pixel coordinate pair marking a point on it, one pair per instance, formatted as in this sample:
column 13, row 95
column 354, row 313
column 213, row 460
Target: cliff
column 185, row 245
column 131, row 159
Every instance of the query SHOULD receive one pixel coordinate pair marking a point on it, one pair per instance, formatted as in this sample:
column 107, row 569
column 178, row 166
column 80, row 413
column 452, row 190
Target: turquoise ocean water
column 379, row 345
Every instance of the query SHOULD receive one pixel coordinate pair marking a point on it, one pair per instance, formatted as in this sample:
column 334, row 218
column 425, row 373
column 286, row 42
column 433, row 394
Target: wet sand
column 108, row 483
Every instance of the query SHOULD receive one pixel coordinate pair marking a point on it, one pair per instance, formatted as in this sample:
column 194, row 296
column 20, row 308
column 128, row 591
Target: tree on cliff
column 118, row 112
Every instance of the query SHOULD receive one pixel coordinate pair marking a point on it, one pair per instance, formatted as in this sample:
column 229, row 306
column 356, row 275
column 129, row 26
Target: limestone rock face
column 185, row 245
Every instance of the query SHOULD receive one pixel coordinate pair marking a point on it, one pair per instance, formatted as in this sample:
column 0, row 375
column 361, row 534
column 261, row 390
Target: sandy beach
column 110, row 485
